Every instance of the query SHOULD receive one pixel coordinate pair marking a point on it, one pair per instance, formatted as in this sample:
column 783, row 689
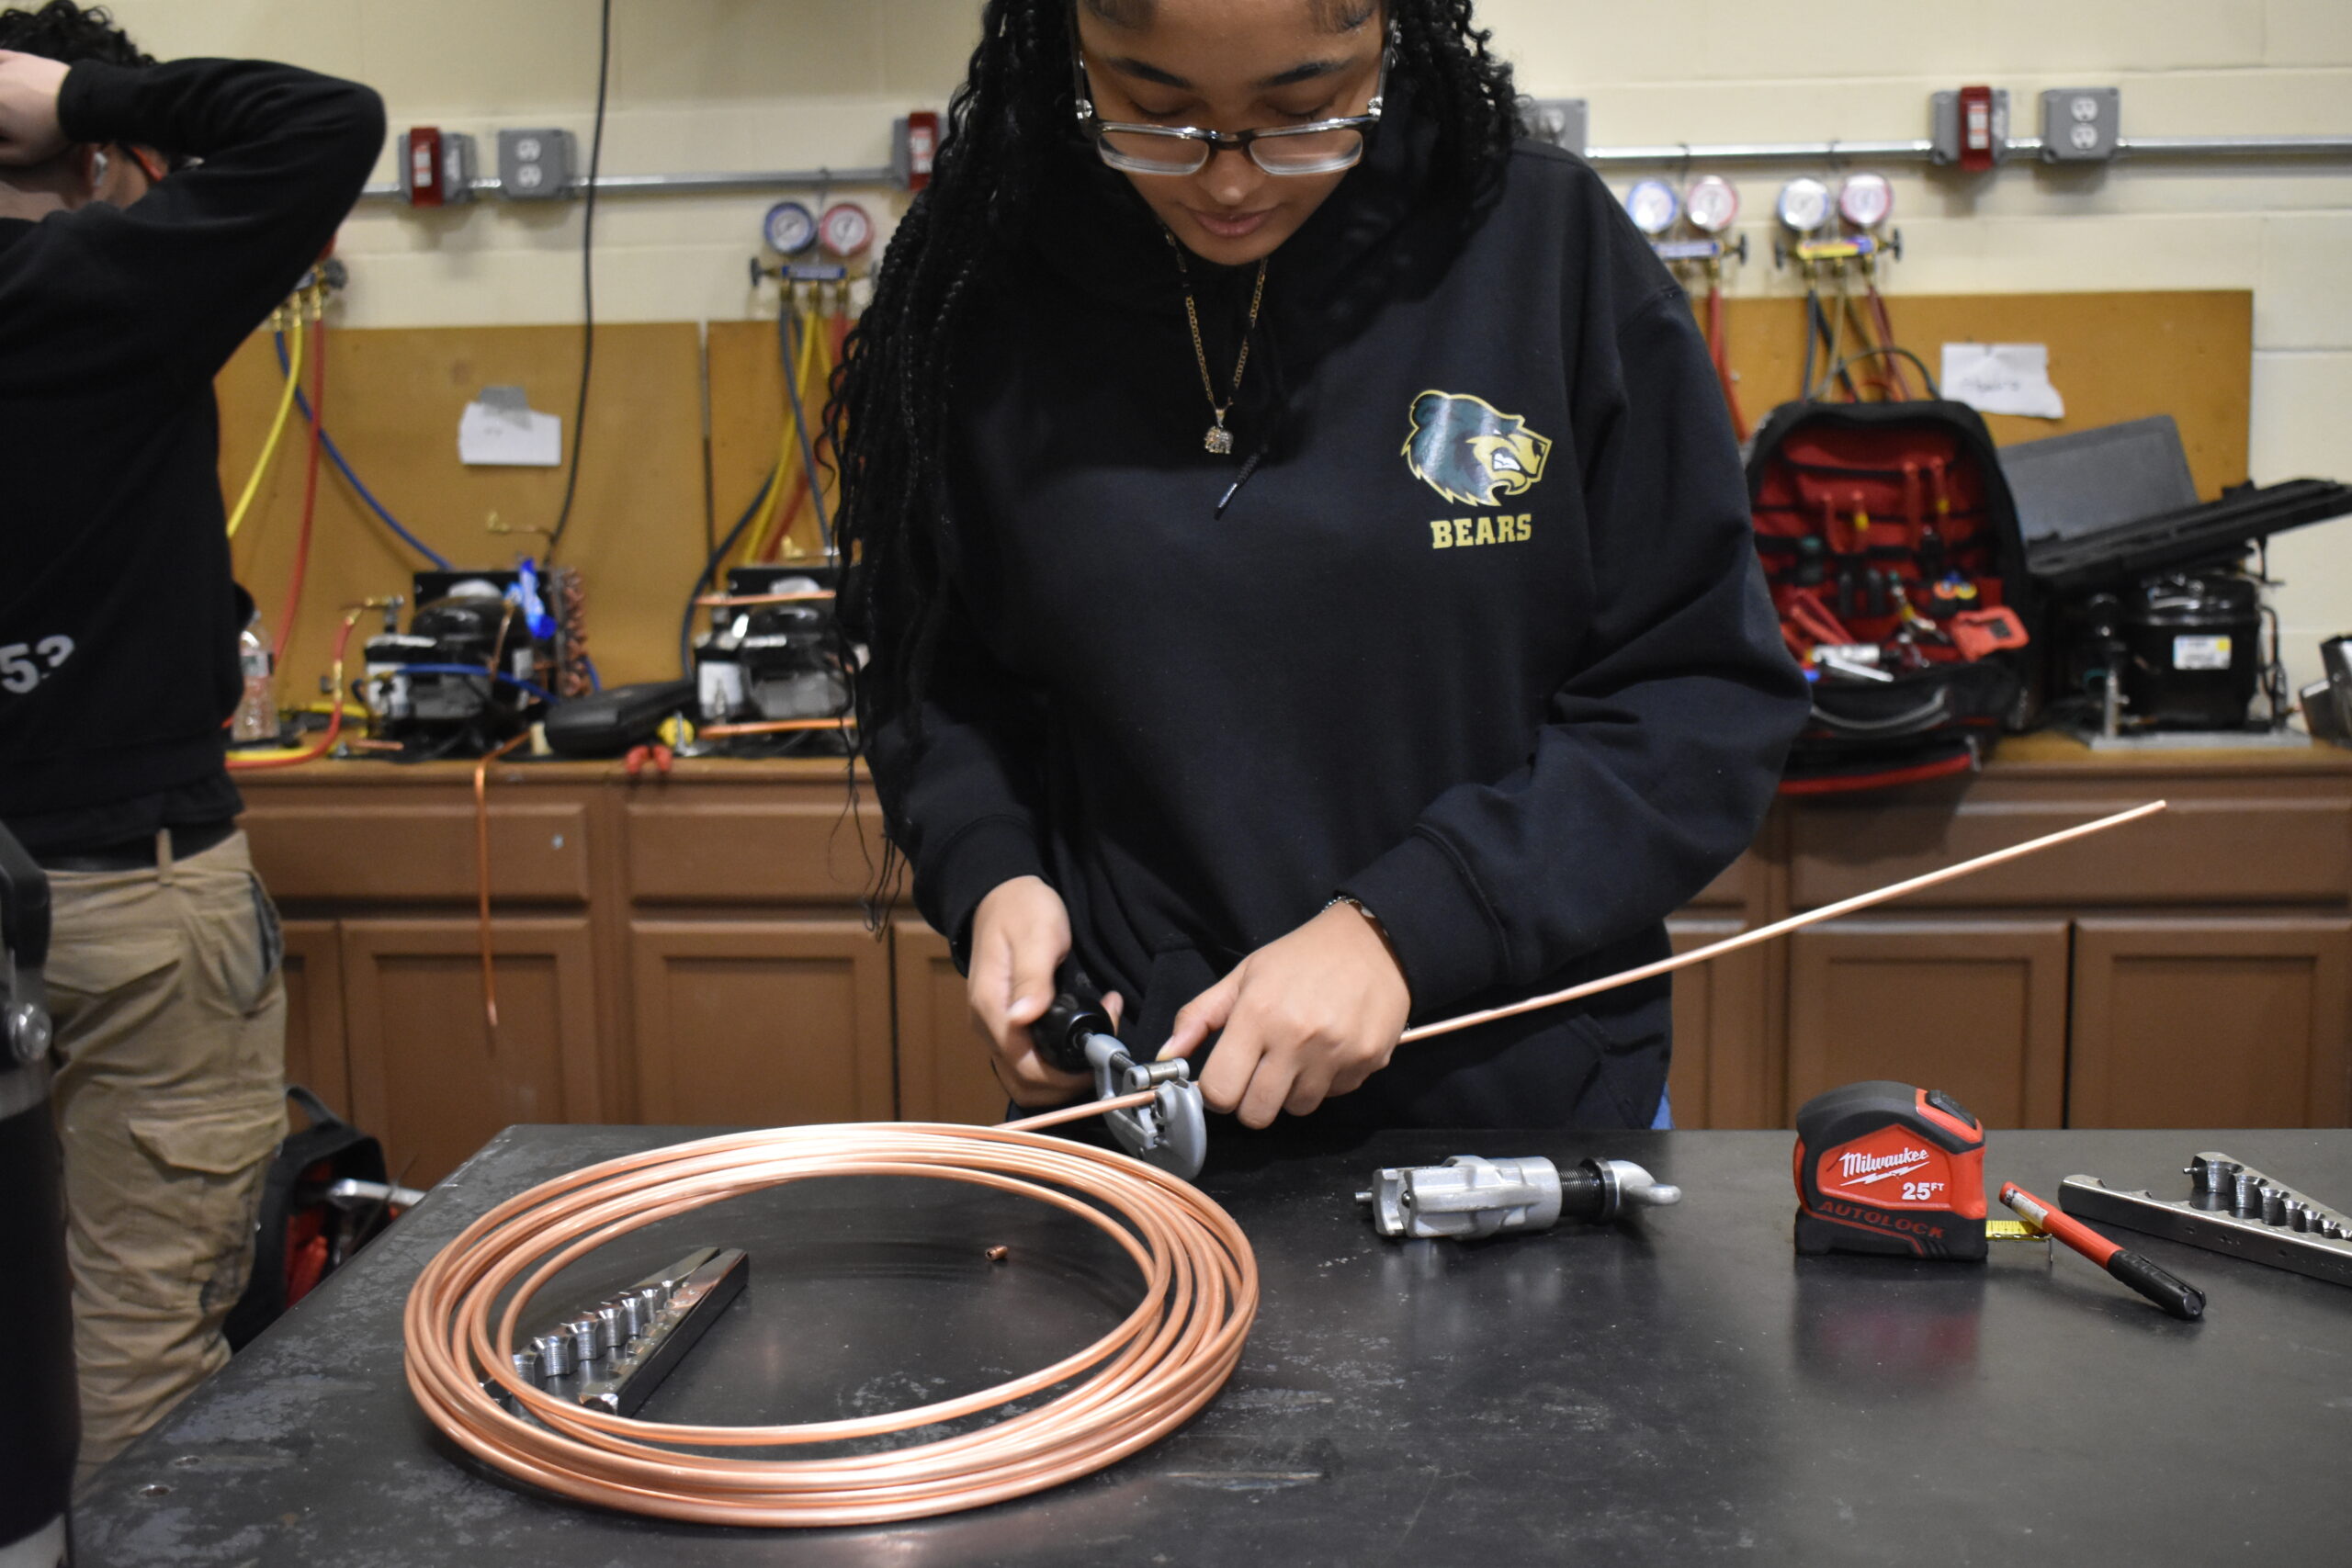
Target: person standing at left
column 151, row 218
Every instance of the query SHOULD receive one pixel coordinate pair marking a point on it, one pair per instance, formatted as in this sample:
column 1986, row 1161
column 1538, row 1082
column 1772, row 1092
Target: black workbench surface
column 1682, row 1389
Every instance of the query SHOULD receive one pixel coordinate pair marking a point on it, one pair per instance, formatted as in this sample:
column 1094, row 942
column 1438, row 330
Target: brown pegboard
column 394, row 396
column 2113, row 357
column 393, row 399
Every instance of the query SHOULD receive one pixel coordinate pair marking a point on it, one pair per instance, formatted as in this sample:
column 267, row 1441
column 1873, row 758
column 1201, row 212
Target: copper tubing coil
column 1129, row 1388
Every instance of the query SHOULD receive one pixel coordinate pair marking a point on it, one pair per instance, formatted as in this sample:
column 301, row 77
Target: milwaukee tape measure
column 1881, row 1167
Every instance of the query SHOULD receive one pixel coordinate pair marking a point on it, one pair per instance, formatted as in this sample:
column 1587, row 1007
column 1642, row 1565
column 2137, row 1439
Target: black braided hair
column 888, row 410
column 63, row 30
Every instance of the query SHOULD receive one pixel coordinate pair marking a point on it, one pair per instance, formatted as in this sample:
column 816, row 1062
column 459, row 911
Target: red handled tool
column 1979, row 632
column 2180, row 1300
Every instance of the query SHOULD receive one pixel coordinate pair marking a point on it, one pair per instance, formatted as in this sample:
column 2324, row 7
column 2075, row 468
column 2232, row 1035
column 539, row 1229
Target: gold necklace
column 1219, row 440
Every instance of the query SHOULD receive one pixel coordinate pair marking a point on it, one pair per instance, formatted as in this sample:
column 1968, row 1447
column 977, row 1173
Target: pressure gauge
column 1805, row 205
column 1654, row 206
column 846, row 230
column 1713, row 202
column 1866, row 200
column 791, row 228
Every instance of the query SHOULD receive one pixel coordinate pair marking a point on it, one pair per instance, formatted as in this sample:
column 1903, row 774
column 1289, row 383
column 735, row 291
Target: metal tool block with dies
column 610, row 1355
column 2231, row 1208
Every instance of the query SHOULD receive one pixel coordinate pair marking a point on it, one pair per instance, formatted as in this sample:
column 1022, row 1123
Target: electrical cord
column 587, row 283
column 342, row 466
column 1131, row 1387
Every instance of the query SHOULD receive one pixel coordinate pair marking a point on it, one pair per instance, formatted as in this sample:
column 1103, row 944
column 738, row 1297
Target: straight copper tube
column 1130, row 1388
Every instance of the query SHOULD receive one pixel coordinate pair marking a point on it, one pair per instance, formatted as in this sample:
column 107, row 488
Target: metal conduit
column 2019, row 150
column 720, row 183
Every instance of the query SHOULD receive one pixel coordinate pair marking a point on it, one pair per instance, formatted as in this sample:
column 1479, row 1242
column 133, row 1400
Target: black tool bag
column 1890, row 541
column 300, row 1238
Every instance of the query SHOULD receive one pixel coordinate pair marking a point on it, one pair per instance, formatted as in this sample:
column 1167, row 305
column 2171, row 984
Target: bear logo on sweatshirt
column 1470, row 451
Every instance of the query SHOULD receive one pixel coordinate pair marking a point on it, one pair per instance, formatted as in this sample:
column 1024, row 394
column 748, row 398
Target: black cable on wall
column 587, row 278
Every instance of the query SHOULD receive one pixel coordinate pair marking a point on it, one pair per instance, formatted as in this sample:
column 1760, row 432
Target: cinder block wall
column 798, row 84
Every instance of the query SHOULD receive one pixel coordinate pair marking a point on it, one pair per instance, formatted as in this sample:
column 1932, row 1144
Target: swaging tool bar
column 2233, row 1209
column 614, row 1353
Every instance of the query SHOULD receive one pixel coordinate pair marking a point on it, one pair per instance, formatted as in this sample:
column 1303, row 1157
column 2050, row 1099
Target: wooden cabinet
column 315, row 1052
column 688, row 949
column 1720, row 1076
column 766, row 1023
column 1977, row 1008
column 2211, row 1023
column 429, row 1076
column 943, row 1058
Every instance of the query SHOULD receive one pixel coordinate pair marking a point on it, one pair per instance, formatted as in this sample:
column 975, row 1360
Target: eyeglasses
column 1319, row 147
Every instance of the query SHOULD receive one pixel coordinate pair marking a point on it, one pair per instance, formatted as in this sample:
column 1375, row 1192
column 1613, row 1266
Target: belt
column 138, row 854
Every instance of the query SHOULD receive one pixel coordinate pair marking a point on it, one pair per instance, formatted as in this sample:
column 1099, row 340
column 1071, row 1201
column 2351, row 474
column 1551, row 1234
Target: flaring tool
column 1470, row 1196
column 1076, row 1035
column 2231, row 1208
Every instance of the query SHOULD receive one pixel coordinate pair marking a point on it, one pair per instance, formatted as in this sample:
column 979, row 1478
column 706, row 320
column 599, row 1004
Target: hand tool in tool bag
column 1893, row 522
column 2179, row 1299
column 2231, row 1208
column 1470, row 1196
column 1075, row 1035
column 40, row 1410
column 305, row 1228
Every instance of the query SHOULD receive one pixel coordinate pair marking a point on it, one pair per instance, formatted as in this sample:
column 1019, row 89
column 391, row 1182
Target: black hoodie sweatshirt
column 118, row 618
column 1481, row 642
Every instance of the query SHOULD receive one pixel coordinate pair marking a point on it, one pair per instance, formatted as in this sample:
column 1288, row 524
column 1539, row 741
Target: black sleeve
column 1660, row 757
column 178, row 279
column 961, row 798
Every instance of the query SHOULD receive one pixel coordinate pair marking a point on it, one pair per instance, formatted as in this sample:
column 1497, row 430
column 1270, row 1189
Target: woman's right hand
column 1020, row 936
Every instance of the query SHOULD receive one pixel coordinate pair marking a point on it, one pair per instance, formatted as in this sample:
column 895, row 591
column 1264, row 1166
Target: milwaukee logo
column 1863, row 1169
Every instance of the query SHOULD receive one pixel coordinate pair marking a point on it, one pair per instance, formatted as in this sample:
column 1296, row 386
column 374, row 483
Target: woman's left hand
column 1306, row 1016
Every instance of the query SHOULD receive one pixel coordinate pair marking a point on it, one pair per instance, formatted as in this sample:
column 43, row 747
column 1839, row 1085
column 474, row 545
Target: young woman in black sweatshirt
column 1306, row 572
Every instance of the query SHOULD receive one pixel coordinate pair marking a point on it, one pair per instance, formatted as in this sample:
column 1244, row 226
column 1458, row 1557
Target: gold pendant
column 1219, row 440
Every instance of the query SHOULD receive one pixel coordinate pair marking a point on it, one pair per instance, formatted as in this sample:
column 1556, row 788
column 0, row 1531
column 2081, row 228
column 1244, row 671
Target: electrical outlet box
column 536, row 165
column 436, row 166
column 2081, row 125
column 1956, row 137
column 1563, row 122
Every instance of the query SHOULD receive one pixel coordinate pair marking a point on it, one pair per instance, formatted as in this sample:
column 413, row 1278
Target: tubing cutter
column 1076, row 1035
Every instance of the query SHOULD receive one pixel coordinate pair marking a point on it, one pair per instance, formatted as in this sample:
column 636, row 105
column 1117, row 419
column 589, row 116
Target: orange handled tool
column 2177, row 1298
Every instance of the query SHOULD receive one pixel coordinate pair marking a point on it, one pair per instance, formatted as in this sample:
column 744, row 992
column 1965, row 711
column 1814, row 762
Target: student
column 125, row 282
column 1305, row 564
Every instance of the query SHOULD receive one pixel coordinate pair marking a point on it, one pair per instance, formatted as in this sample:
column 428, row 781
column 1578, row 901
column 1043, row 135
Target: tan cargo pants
column 170, row 1100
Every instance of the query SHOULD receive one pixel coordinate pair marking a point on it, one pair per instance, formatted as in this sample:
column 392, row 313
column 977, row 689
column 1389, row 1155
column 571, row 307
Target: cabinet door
column 1721, row 1063
column 2210, row 1023
column 427, row 1076
column 314, row 1039
column 1977, row 1008
column 762, row 1022
column 943, row 1058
